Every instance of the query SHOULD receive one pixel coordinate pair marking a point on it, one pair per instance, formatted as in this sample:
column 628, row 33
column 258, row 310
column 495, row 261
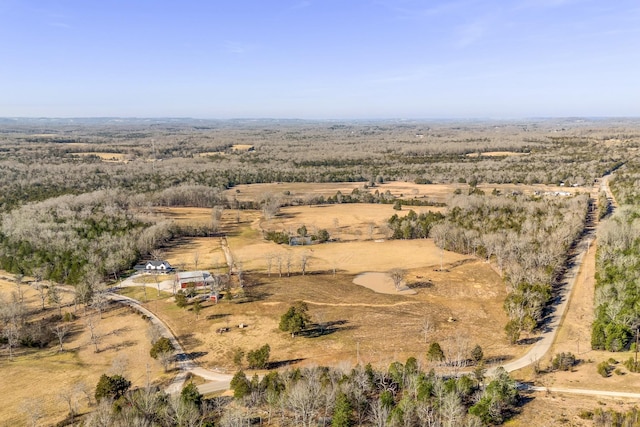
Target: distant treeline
column 163, row 156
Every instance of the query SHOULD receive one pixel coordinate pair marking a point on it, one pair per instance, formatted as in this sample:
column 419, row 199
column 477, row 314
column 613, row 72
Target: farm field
column 370, row 327
column 432, row 192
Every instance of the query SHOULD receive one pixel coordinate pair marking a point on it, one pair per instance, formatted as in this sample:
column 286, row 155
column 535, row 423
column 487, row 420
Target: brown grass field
column 432, row 192
column 368, row 326
column 43, row 374
column 105, row 157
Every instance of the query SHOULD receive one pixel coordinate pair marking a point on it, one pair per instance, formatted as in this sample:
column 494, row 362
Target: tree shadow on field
column 325, row 328
column 218, row 316
column 282, row 363
column 497, row 360
column 189, row 340
column 194, row 355
column 120, row 345
column 423, row 284
column 528, row 340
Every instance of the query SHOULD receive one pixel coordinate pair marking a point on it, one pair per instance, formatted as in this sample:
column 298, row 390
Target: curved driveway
column 216, row 381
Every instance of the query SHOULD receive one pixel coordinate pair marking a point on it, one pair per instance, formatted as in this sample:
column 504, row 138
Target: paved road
column 216, row 381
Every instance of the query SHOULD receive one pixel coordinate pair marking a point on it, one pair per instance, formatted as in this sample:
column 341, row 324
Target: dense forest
column 617, row 298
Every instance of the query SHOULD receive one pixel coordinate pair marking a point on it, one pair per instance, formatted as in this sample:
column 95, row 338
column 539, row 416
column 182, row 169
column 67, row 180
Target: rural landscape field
column 298, row 273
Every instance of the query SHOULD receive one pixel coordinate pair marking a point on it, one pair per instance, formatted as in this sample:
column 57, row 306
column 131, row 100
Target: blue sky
column 320, row 59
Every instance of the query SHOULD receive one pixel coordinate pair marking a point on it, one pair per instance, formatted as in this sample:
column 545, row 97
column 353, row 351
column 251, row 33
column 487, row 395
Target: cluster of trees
column 412, row 225
column 22, row 326
column 401, row 395
column 617, row 281
column 284, row 238
column 527, row 237
column 70, row 239
column 119, row 405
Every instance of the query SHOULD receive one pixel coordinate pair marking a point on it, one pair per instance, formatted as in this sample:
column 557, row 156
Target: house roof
column 158, row 263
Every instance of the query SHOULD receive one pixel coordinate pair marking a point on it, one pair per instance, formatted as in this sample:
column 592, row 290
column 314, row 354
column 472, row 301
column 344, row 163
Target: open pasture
column 349, row 322
column 105, row 157
column 463, row 302
column 440, row 193
column 43, row 376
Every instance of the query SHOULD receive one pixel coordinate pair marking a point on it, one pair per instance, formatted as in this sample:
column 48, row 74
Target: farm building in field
column 195, row 278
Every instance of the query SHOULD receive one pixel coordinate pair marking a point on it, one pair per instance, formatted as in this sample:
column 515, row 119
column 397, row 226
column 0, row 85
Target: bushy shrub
column 563, row 361
column 604, row 369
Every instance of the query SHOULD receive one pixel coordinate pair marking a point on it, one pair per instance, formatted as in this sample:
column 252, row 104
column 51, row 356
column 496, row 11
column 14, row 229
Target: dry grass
column 406, row 190
column 42, row 374
column 242, row 147
column 497, row 154
column 378, row 328
column 105, row 157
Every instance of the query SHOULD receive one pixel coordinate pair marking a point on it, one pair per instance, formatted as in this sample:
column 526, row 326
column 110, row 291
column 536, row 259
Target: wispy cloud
column 59, row 25
column 235, row 47
column 469, row 34
column 416, row 10
column 545, row 4
column 301, row 5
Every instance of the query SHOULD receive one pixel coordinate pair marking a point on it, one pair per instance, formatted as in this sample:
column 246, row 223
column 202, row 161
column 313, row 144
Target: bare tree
column 380, row 414
column 33, row 410
column 427, row 328
column 165, row 358
column 20, row 287
column 42, row 293
column 397, row 275
column 157, row 254
column 81, row 387
column 61, row 331
column 304, row 261
column 440, row 232
column 94, row 336
column 119, row 365
column 216, row 218
column 269, row 263
column 10, row 333
column 69, row 396
column 302, row 399
column 371, row 228
column 270, row 206
column 279, row 261
column 196, row 258
column 99, row 300
column 55, row 299
column 289, row 263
